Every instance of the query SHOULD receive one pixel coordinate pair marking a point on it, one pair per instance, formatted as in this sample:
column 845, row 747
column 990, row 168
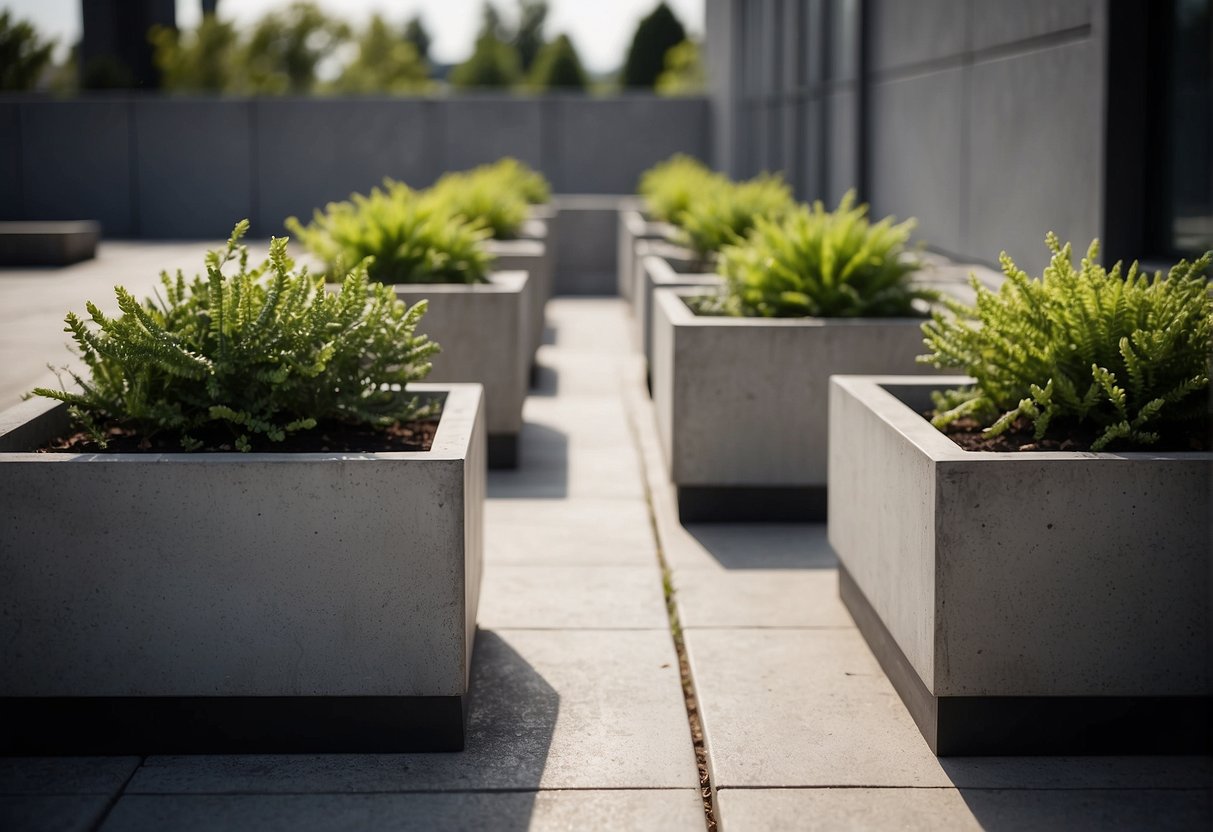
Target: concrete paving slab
column 745, row 546
column 759, row 598
column 573, row 598
column 548, row 811
column 577, row 373
column 927, row 810
column 806, row 707
column 51, row 813
column 582, row 532
column 588, row 324
column 549, row 710
column 64, row 775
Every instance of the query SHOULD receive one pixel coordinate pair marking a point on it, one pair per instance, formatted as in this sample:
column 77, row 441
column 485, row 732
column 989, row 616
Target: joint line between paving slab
column 113, row 801
column 956, row 788
column 380, row 792
column 694, row 721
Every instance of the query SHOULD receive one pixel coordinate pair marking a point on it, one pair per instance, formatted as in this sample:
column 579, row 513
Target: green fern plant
column 485, row 201
column 670, row 186
column 725, row 215
column 820, row 263
column 410, row 238
column 520, row 178
column 252, row 356
column 1122, row 354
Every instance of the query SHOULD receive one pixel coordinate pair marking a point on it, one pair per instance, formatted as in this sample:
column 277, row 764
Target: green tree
column 683, row 74
column 416, row 34
column 23, row 55
column 204, row 60
column 529, row 40
column 386, row 62
column 286, row 46
column 493, row 62
column 558, row 67
column 655, row 35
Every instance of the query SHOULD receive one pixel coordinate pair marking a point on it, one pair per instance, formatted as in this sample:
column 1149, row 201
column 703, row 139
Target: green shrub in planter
column 524, row 180
column 411, row 238
column 670, row 186
column 725, row 215
column 249, row 357
column 1126, row 355
column 484, row 201
column 819, row 263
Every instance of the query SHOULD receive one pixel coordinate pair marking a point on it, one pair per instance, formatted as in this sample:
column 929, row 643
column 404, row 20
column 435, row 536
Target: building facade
column 990, row 122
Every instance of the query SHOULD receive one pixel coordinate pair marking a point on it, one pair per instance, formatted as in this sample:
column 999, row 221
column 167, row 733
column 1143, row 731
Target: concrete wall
column 190, row 167
column 984, row 119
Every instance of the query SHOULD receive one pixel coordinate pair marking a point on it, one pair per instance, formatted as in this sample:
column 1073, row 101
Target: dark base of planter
column 745, row 504
column 503, row 450
column 48, row 243
column 231, row 725
column 998, row 725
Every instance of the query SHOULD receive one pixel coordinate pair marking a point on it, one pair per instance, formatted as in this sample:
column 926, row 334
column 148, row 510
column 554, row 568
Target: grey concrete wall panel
column 842, row 155
column 76, row 162
column 904, row 34
column 843, row 51
column 310, row 152
column 997, row 22
column 1036, row 161
column 10, row 161
column 916, row 135
column 193, row 168
column 602, row 146
column 481, row 129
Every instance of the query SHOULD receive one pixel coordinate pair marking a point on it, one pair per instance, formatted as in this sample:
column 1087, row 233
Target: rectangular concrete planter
column 634, row 227
column 588, row 225
column 485, row 333
column 1044, row 602
column 161, row 603
column 48, row 243
column 662, row 265
column 531, row 255
column 742, row 403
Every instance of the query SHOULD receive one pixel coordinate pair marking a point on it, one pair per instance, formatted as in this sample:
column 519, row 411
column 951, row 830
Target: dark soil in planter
column 326, row 437
column 1020, row 437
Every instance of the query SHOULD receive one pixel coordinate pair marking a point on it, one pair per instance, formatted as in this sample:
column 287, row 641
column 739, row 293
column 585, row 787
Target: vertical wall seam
column 21, row 207
column 132, row 126
column 254, row 188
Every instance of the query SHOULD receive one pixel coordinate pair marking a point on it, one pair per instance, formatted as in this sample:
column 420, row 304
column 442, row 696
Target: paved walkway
column 578, row 719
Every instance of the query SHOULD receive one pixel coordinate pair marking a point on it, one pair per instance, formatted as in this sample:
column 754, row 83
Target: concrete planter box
column 742, row 403
column 48, row 243
column 634, row 227
column 486, row 337
column 663, row 265
column 161, row 603
column 1047, row 602
column 588, row 224
column 530, row 255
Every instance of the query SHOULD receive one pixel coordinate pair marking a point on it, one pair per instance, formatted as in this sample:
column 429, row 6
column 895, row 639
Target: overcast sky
column 601, row 29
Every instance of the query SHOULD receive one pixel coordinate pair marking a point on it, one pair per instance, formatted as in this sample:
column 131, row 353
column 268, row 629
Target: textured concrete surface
column 352, row 575
column 966, row 571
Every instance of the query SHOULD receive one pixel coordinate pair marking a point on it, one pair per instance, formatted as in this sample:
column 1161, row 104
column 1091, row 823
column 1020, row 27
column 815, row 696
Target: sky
column 600, row 29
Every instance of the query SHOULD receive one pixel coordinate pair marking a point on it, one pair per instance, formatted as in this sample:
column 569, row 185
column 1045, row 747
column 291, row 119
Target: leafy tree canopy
column 655, row 35
column 558, row 67
column 23, row 55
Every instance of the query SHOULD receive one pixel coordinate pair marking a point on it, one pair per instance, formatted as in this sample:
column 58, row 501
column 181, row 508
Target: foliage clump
column 251, row 357
column 655, row 35
column 684, row 73
column 23, row 54
column 670, row 186
column 821, row 263
column 725, row 215
column 1124, row 354
column 412, row 239
column 558, row 67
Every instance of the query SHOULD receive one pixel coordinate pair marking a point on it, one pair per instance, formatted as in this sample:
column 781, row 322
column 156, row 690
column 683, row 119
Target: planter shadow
column 765, row 545
column 543, row 467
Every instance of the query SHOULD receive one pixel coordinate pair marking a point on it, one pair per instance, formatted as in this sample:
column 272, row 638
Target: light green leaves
column 248, row 357
column 1120, row 353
